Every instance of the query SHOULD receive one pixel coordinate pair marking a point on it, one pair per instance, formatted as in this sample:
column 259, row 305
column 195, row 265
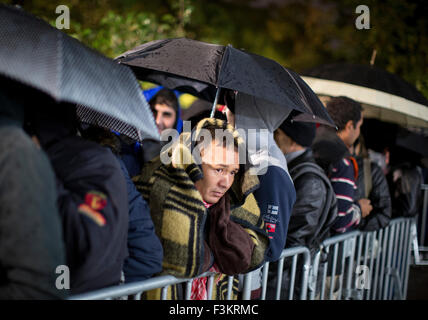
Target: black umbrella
column 370, row 77
column 393, row 136
column 385, row 96
column 201, row 69
column 38, row 55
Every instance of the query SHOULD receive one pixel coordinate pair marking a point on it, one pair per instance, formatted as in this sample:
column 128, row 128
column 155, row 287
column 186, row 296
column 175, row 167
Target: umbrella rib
column 300, row 89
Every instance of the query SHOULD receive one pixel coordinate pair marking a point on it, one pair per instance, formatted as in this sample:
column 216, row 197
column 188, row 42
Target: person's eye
column 219, row 170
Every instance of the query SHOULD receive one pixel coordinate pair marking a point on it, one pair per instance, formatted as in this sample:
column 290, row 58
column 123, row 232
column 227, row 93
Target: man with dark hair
column 347, row 115
column 164, row 106
column 332, row 152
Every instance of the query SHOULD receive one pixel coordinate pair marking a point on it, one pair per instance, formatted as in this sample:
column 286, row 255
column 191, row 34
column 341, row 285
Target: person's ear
column 349, row 125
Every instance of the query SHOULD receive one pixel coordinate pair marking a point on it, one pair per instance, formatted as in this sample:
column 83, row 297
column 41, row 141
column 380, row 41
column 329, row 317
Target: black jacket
column 315, row 209
column 406, row 194
column 96, row 248
column 379, row 196
column 92, row 201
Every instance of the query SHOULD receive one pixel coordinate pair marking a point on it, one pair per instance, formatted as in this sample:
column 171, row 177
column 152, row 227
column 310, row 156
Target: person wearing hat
column 315, row 209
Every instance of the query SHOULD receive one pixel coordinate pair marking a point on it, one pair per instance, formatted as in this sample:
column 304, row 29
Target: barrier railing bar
column 229, row 287
column 279, row 279
column 333, row 271
column 188, row 292
column 388, row 263
column 292, row 278
column 345, row 248
column 264, row 280
column 376, row 275
column 351, row 243
column 306, row 269
column 372, row 257
column 314, row 275
column 424, row 187
column 246, row 294
column 210, row 287
column 324, row 276
column 400, row 256
column 393, row 262
column 408, row 257
column 383, row 261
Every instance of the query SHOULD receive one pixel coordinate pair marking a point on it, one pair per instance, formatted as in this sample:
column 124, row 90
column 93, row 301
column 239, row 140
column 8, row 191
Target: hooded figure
column 195, row 235
column 276, row 195
column 92, row 199
column 30, row 228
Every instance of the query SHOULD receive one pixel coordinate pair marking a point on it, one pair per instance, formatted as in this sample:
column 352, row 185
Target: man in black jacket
column 92, row 199
column 372, row 184
column 316, row 207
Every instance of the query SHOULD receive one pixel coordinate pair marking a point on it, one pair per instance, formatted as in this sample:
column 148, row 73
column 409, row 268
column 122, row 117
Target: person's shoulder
column 275, row 175
column 343, row 164
column 87, row 153
column 15, row 142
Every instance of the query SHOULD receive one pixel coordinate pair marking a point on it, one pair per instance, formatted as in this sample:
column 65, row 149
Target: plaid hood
column 181, row 155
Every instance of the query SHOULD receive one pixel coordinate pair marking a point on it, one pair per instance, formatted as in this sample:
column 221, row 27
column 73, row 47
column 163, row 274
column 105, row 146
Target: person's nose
column 158, row 119
column 226, row 181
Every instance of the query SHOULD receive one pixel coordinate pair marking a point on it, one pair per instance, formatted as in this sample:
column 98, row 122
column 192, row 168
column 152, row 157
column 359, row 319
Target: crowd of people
column 112, row 211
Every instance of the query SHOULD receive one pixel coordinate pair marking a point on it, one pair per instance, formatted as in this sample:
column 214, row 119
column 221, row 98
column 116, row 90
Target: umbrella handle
column 215, row 102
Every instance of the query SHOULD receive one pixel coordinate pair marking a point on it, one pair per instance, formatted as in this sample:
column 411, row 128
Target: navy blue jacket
column 145, row 250
column 275, row 197
column 93, row 209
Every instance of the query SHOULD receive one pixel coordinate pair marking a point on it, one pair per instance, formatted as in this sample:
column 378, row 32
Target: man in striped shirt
column 332, row 152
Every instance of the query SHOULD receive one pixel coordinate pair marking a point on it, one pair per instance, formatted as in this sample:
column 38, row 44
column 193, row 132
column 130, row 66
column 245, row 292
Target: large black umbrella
column 38, row 55
column 384, row 96
column 202, row 69
column 392, row 136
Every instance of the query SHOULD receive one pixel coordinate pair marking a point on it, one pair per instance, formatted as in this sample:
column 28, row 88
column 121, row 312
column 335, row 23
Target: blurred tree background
column 298, row 34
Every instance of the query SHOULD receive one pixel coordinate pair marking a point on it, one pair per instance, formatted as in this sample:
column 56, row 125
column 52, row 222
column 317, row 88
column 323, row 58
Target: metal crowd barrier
column 134, row 290
column 293, row 253
column 364, row 265
column 420, row 245
column 355, row 265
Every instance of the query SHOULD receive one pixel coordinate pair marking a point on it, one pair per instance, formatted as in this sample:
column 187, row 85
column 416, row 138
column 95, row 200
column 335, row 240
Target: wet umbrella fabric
column 201, row 68
column 384, row 96
column 38, row 55
column 369, row 77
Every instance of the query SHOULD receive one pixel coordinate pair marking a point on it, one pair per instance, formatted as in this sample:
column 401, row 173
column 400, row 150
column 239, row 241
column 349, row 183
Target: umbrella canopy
column 392, row 136
column 38, row 55
column 384, row 96
column 201, row 69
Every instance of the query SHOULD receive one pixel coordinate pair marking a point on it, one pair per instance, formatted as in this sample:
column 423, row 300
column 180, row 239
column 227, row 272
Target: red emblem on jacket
column 96, row 200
